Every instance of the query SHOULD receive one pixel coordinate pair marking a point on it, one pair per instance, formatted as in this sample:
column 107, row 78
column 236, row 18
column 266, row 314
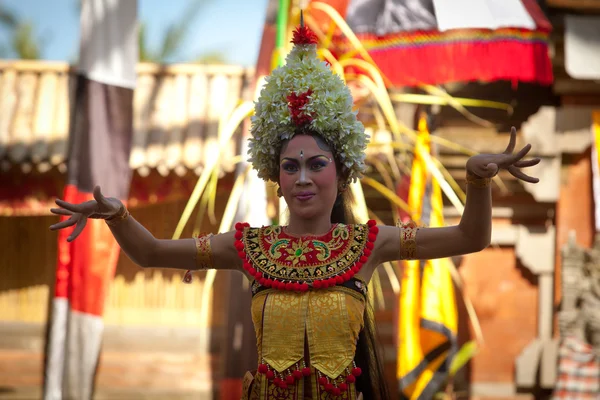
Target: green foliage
column 463, row 356
column 174, row 38
column 23, row 42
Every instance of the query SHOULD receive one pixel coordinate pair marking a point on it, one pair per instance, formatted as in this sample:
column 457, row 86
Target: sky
column 233, row 27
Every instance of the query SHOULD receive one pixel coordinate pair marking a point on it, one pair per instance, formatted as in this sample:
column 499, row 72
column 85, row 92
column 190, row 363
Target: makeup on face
column 312, row 164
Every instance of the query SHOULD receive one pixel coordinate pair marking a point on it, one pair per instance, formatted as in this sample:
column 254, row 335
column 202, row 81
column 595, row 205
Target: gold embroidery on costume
column 283, row 329
column 408, row 240
column 331, row 320
column 332, row 347
column 248, row 386
column 287, row 258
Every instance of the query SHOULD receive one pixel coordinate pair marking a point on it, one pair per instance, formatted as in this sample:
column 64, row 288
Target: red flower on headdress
column 296, row 103
column 303, row 35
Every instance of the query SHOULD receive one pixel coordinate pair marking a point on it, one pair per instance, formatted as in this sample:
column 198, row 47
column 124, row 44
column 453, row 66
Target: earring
column 279, row 194
column 343, row 187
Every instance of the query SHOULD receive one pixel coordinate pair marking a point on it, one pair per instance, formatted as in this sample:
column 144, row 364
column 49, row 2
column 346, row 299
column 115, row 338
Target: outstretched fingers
column 522, row 153
column 517, row 173
column 78, row 229
column 512, row 142
column 527, row 163
column 60, row 211
column 76, row 208
column 65, row 224
column 99, row 197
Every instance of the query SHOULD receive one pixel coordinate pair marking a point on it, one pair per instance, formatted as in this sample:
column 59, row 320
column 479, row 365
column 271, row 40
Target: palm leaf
column 226, row 223
column 439, row 100
column 243, row 111
column 463, row 356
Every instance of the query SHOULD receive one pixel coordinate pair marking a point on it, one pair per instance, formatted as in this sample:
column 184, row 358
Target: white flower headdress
column 305, row 95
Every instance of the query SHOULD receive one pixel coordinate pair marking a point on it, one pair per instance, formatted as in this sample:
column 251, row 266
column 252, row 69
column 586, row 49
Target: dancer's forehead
column 302, row 147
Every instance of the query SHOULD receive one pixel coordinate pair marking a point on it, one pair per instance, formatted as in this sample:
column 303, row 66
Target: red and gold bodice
column 307, row 309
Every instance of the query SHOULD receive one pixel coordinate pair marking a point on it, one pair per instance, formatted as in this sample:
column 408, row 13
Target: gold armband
column 119, row 217
column 408, row 240
column 478, row 181
column 203, row 252
column 203, row 255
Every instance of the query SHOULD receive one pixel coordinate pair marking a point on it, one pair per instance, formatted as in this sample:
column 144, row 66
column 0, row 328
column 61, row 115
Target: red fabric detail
column 461, row 61
column 303, row 35
column 308, row 251
column 85, row 266
column 230, row 389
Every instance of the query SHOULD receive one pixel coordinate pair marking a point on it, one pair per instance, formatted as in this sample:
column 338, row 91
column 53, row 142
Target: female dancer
column 309, row 278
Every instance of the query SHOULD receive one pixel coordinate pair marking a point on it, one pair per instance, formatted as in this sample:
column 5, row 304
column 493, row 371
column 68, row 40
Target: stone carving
column 579, row 323
column 579, row 316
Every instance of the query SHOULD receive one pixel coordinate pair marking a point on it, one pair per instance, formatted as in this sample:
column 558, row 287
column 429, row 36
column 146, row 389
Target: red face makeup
column 307, row 177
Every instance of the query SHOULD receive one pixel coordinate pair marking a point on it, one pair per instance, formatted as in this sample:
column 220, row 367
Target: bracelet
column 203, row 252
column 203, row 256
column 118, row 217
column 478, row 181
column 408, row 240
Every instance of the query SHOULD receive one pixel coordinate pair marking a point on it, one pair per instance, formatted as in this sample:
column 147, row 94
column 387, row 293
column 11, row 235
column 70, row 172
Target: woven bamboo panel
column 136, row 297
column 176, row 114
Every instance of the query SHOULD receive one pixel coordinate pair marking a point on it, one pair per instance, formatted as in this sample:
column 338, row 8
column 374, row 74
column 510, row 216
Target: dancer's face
column 308, row 177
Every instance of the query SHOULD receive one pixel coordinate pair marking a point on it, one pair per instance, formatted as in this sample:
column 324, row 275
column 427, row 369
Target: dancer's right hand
column 99, row 208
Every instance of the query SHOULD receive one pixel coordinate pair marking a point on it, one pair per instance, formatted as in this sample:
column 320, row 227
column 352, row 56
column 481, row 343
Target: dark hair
column 371, row 383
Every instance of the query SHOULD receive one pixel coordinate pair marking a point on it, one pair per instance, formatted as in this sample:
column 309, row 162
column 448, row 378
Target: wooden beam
column 575, row 4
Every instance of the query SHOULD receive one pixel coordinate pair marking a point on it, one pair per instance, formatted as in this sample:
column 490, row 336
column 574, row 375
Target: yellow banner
column 428, row 316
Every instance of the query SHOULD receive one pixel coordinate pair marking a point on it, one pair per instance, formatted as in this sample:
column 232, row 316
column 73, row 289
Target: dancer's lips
column 304, row 196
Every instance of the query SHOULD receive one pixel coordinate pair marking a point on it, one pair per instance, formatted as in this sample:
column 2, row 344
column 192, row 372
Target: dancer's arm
column 140, row 245
column 473, row 233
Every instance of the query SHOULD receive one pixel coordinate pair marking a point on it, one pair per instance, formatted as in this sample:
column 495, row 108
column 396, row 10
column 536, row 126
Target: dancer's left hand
column 488, row 165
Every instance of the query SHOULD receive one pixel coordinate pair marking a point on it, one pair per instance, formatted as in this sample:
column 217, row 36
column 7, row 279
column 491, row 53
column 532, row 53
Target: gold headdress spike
column 305, row 96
